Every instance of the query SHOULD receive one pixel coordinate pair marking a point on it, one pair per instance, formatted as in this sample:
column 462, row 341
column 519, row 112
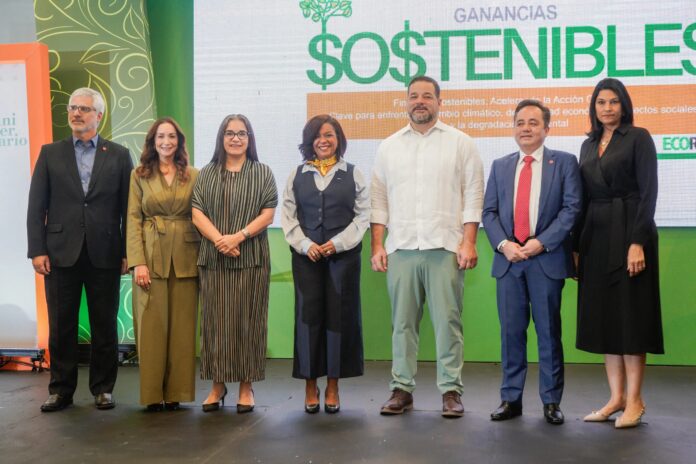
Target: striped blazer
column 252, row 189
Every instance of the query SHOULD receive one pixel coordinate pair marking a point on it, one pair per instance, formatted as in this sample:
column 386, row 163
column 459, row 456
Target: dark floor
column 278, row 431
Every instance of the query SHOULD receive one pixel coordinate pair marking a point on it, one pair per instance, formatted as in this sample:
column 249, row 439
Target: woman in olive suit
column 162, row 247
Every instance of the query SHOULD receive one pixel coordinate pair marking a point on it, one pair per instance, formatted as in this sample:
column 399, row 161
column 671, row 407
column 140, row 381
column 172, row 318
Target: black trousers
column 328, row 327
column 63, row 294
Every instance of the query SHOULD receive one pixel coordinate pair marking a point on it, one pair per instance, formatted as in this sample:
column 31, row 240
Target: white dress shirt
column 534, row 189
column 346, row 239
column 425, row 187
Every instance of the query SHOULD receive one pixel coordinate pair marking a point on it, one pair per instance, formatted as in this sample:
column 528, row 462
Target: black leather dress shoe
column 154, row 407
column 104, row 401
column 56, row 403
column 506, row 410
column 553, row 414
column 172, row 405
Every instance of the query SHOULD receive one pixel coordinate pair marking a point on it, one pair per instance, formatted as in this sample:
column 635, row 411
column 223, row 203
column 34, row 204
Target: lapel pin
column 550, row 161
column 104, row 148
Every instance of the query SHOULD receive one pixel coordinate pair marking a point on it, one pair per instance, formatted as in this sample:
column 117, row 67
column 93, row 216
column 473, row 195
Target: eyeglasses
column 80, row 108
column 242, row 134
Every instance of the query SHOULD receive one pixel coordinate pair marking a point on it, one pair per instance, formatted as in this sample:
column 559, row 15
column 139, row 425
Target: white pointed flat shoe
column 596, row 416
column 622, row 423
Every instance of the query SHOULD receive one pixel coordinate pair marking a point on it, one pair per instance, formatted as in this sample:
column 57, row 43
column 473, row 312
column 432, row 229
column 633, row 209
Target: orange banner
column 35, row 57
column 662, row 109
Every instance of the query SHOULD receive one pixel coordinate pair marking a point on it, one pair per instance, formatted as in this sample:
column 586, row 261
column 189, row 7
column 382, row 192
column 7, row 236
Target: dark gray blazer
column 61, row 217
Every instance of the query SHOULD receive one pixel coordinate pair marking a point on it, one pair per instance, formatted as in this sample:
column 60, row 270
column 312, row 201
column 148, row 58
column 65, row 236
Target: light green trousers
column 415, row 277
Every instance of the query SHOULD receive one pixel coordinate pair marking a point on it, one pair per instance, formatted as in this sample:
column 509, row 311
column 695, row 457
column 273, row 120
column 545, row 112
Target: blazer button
column 85, row 205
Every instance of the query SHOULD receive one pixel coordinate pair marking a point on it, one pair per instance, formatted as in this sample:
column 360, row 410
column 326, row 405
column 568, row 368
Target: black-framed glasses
column 80, row 108
column 242, row 134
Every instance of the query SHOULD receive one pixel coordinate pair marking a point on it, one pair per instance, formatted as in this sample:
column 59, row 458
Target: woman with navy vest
column 324, row 216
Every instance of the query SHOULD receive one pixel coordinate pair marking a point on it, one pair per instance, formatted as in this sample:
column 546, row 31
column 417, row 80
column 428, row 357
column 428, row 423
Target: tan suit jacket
column 160, row 232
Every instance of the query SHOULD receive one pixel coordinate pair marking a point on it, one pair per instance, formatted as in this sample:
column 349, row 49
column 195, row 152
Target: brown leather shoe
column 452, row 405
column 399, row 402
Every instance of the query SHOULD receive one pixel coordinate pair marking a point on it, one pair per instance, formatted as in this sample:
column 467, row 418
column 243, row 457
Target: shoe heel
column 313, row 408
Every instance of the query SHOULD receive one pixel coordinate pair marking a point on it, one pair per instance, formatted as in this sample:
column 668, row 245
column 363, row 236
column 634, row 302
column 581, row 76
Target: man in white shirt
column 427, row 189
column 532, row 201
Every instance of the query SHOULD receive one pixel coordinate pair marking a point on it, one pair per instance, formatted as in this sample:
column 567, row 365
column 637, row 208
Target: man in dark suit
column 531, row 203
column 76, row 230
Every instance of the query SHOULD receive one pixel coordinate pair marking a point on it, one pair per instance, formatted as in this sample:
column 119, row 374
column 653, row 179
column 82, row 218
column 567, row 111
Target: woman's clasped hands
column 228, row 245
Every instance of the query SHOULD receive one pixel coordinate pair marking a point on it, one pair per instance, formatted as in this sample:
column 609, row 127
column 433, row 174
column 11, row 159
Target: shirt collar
column 536, row 154
column 94, row 141
column 439, row 125
column 340, row 164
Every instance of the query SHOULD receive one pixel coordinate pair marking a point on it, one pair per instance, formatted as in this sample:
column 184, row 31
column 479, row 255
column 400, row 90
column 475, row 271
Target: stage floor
column 279, row 431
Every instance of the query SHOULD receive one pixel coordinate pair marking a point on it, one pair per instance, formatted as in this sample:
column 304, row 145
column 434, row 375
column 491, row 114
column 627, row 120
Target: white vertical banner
column 17, row 283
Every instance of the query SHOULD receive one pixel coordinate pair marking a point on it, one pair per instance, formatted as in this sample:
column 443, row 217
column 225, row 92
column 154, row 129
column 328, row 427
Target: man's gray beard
column 84, row 129
column 421, row 120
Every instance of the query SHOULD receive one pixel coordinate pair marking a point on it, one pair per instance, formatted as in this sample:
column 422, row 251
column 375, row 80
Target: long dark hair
column 220, row 155
column 149, row 159
column 619, row 89
column 311, row 132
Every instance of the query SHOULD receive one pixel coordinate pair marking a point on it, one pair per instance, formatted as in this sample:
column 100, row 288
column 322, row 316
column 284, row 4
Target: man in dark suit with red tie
column 532, row 201
column 76, row 230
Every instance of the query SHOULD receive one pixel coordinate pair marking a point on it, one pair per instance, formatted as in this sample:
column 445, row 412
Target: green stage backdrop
column 140, row 53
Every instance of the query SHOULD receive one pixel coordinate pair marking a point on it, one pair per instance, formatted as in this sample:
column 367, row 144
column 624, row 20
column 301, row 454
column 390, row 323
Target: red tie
column 524, row 185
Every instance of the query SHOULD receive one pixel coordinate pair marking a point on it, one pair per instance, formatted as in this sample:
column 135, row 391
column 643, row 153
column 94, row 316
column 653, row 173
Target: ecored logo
column 678, row 142
column 679, row 146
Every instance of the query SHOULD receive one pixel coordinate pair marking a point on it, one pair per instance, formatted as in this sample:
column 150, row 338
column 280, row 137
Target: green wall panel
column 171, row 43
column 480, row 317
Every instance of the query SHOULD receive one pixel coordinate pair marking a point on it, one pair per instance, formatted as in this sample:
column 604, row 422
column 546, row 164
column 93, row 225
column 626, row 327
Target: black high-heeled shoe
column 154, row 407
column 313, row 408
column 172, row 405
column 209, row 407
column 244, row 408
column 332, row 408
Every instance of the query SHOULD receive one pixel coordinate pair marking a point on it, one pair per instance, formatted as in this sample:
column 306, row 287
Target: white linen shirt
column 344, row 240
column 425, row 187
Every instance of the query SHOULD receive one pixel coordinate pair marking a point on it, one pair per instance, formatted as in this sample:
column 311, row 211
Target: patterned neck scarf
column 323, row 165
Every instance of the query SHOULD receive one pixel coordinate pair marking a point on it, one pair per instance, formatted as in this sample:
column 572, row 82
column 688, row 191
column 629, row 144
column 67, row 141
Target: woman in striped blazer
column 233, row 203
